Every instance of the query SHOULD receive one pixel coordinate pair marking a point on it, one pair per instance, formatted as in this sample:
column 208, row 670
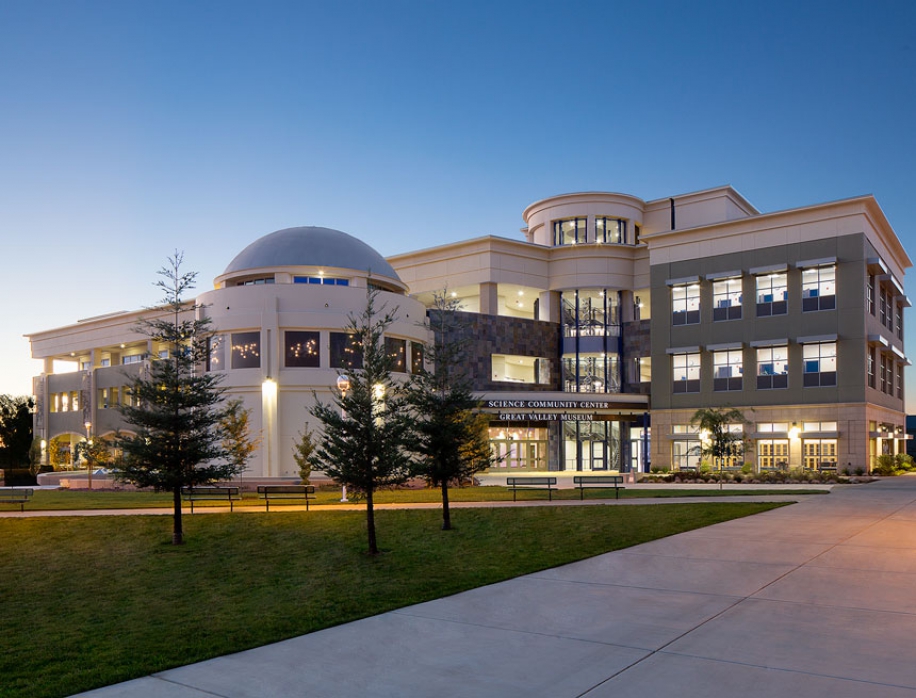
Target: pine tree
column 175, row 411
column 365, row 429
column 450, row 436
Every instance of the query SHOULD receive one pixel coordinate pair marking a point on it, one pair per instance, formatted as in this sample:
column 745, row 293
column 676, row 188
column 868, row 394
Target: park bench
column 223, row 494
column 604, row 481
column 16, row 496
column 826, row 467
column 531, row 483
column 290, row 493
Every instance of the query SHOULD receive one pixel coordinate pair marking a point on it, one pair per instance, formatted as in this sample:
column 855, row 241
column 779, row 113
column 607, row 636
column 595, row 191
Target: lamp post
column 86, row 454
column 343, row 385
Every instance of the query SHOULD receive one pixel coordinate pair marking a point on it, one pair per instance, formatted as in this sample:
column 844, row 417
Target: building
column 610, row 315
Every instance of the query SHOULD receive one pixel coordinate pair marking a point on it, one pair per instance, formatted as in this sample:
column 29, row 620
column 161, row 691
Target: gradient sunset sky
column 131, row 129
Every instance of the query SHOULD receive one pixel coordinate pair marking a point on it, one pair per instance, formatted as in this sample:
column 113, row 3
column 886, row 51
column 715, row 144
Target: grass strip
column 90, row 601
column 73, row 500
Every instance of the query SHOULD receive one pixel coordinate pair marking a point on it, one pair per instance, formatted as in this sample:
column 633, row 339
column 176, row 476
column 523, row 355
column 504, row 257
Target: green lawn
column 47, row 500
column 89, row 601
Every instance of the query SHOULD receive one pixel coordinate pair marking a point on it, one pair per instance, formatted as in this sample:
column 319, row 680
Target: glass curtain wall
column 592, row 342
column 590, row 446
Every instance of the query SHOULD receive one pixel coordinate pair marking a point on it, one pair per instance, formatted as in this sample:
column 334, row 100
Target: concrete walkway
column 814, row 599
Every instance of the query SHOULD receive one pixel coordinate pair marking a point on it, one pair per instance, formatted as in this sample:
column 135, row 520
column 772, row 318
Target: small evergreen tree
column 451, row 439
column 176, row 411
column 365, row 431
column 236, row 426
column 303, row 449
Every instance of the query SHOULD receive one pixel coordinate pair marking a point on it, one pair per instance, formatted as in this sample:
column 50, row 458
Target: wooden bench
column 16, row 496
column 826, row 467
column 220, row 494
column 531, row 483
column 294, row 493
column 605, row 481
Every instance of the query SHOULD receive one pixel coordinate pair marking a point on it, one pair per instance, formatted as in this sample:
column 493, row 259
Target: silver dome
column 311, row 246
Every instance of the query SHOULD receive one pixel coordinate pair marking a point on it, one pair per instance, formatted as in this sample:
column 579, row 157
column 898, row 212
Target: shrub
column 885, row 465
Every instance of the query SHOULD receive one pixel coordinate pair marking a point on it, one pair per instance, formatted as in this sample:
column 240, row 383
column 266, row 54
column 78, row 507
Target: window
column 818, row 426
column 610, row 230
column 319, row 280
column 900, row 381
column 519, row 369
column 772, row 454
column 256, row 282
column 105, row 362
column 772, row 367
column 871, row 367
column 819, row 288
column 726, row 300
column 132, row 359
column 591, row 373
column 85, row 365
column 416, row 357
column 727, row 370
column 685, row 305
column 644, row 369
column 246, row 350
column 886, row 374
column 685, row 373
column 108, row 398
column 870, row 293
column 569, row 232
column 302, row 349
column 882, row 317
column 345, row 351
column 216, row 355
column 772, row 295
column 817, row 452
column 820, row 364
column 397, row 350
column 685, row 455
column 899, row 320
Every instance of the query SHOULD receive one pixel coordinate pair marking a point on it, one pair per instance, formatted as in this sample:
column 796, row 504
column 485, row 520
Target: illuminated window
column 519, row 369
column 569, row 232
column 246, row 350
column 321, row 280
column 819, row 452
column 397, row 350
column 416, row 357
column 772, row 367
column 726, row 300
column 685, row 304
column 820, row 364
column 819, row 288
column 216, row 360
column 772, row 454
column 610, row 230
column 728, row 369
column 685, row 373
column 301, row 349
column 772, row 295
column 345, row 351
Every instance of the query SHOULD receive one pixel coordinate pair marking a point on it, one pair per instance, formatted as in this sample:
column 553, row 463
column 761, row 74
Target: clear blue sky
column 131, row 129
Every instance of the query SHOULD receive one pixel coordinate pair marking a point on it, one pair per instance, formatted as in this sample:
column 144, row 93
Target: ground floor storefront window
column 772, row 454
column 519, row 447
column 818, row 452
column 589, row 446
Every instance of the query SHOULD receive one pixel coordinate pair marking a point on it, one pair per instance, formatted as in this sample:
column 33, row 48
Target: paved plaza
column 814, row 599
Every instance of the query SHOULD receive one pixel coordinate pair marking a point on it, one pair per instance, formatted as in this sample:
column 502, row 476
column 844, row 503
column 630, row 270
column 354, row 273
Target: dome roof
column 313, row 247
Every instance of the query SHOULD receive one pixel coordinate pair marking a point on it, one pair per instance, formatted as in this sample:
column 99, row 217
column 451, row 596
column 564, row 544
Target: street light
column 86, row 454
column 343, row 385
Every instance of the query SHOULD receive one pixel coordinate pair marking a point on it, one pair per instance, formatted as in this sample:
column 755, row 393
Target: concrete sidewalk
column 814, row 599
